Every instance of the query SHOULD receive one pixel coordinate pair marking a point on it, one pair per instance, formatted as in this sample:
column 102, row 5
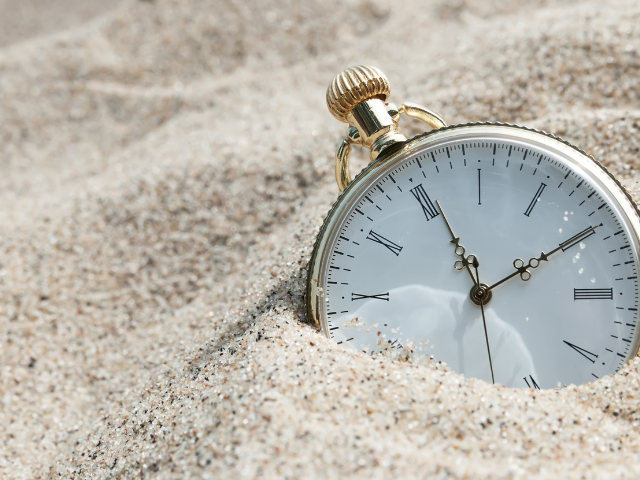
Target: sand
column 25, row 19
column 166, row 166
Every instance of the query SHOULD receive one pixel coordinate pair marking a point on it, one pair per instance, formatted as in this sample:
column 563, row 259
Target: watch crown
column 353, row 86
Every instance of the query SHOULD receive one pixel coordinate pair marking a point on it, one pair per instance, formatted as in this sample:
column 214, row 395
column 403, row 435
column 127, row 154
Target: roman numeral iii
column 429, row 209
column 375, row 237
column 593, row 293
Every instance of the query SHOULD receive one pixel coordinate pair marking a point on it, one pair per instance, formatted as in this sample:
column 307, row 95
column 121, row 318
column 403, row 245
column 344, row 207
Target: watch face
column 486, row 229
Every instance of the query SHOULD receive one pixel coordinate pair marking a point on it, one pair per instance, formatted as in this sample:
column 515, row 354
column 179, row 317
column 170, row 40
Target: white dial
column 390, row 277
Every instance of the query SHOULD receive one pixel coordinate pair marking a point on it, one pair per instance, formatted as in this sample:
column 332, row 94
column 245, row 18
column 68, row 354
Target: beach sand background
column 165, row 168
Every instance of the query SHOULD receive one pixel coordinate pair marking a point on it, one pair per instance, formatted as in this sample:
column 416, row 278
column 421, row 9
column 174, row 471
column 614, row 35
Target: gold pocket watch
column 505, row 252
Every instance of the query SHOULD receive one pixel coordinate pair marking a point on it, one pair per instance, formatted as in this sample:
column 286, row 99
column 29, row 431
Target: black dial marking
column 479, row 202
column 535, row 385
column 593, row 293
column 379, row 296
column 394, row 247
column 427, row 205
column 535, row 199
column 585, row 353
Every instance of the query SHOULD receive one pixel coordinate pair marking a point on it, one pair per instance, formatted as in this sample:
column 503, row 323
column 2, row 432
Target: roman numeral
column 585, row 353
column 533, row 382
column 380, row 296
column 580, row 236
column 427, row 205
column 394, row 247
column 535, row 200
column 593, row 293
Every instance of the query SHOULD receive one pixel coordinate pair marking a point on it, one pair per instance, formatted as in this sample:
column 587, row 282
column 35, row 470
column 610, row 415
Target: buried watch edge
column 400, row 151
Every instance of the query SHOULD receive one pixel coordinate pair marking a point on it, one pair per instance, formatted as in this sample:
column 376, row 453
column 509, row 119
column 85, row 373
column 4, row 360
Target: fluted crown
column 353, row 86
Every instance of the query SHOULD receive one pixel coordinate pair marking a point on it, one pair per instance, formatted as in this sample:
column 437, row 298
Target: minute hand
column 534, row 262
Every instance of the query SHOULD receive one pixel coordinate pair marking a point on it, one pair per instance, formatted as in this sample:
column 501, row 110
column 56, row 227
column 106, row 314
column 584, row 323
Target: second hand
column 484, row 322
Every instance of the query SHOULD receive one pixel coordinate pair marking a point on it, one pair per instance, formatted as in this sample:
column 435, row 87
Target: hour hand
column 465, row 261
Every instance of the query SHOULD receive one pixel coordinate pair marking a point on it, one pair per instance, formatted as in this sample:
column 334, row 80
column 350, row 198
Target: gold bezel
column 388, row 160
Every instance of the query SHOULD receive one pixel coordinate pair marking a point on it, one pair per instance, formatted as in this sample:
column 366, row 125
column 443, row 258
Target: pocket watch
column 502, row 251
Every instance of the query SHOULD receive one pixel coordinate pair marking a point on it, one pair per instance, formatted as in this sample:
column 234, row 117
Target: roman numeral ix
column 394, row 247
column 380, row 296
column 593, row 293
column 427, row 205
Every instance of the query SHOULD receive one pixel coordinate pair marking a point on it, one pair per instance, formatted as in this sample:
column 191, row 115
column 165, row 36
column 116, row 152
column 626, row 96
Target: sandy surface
column 24, row 19
column 165, row 169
